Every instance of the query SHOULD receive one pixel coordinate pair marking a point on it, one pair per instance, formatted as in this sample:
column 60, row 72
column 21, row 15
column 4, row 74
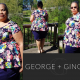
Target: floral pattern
column 71, row 31
column 9, row 49
column 39, row 23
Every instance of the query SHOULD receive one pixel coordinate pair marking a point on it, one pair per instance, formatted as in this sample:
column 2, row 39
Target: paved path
column 48, row 49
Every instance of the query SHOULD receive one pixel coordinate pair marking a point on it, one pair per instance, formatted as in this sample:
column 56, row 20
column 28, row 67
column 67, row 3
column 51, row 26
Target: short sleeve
column 33, row 13
column 79, row 16
column 67, row 28
column 67, row 22
column 15, row 28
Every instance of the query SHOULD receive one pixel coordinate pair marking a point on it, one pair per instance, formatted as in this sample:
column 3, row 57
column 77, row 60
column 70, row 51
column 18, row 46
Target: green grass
column 27, row 13
column 21, row 76
column 61, row 49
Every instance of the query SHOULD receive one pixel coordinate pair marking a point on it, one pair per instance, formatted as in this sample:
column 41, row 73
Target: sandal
column 42, row 51
column 39, row 51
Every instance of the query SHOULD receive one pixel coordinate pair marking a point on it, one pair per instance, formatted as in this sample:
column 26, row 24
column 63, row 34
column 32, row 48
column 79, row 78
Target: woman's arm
column 66, row 29
column 31, row 18
column 46, row 18
column 19, row 39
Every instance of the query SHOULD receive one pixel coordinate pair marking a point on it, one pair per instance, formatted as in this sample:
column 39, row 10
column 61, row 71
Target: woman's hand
column 21, row 69
column 31, row 18
column 78, row 35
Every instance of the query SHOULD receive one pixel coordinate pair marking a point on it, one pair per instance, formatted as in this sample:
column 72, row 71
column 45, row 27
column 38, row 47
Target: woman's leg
column 43, row 35
column 42, row 44
column 38, row 42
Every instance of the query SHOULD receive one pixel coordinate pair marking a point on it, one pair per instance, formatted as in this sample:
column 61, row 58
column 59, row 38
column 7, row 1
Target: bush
column 63, row 15
column 61, row 28
column 53, row 16
column 27, row 13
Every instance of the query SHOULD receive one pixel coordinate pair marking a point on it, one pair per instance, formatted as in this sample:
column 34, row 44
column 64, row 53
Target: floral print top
column 71, row 31
column 9, row 49
column 39, row 23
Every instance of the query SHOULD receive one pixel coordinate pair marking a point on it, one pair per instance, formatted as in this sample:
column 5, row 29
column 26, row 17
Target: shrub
column 63, row 15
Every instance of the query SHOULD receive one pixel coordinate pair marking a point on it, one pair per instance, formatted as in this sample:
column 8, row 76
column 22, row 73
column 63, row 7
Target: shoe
column 39, row 51
column 42, row 51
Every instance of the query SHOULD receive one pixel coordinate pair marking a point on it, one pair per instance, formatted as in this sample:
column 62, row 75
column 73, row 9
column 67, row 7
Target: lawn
column 26, row 13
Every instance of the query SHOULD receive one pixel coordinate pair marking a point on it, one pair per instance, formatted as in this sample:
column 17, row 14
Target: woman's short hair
column 5, row 7
column 77, row 4
column 40, row 4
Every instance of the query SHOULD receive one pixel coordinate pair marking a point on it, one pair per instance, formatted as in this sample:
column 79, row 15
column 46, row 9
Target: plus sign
column 59, row 66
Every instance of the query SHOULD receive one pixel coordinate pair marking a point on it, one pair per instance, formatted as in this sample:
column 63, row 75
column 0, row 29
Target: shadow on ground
column 51, row 49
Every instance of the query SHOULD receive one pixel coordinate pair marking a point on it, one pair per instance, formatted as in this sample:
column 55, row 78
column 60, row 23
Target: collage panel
column 11, row 39
column 40, row 23
column 68, row 30
column 37, row 27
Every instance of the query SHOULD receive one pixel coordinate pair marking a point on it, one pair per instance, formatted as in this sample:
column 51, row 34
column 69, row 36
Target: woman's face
column 74, row 8
column 3, row 13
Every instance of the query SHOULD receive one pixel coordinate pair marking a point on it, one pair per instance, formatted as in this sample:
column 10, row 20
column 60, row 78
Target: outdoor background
column 63, row 14
column 52, row 9
column 50, row 5
column 58, row 12
column 15, row 8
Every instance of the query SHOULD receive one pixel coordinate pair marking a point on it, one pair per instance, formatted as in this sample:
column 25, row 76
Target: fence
column 50, row 39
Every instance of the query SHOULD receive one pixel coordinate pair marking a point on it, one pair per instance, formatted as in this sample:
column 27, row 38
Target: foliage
column 15, row 11
column 61, row 29
column 63, row 15
column 14, row 6
column 51, row 17
column 21, row 74
column 26, row 14
column 18, row 20
column 47, row 2
column 62, row 2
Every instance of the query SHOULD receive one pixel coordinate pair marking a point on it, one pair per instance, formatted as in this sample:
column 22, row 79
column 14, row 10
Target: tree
column 15, row 11
column 14, row 6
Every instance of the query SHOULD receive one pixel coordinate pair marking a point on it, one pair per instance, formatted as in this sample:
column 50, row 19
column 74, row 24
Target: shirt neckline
column 75, row 14
column 6, row 24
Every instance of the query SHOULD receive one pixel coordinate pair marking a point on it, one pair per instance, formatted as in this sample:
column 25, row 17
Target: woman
column 11, row 47
column 39, row 26
column 72, row 32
